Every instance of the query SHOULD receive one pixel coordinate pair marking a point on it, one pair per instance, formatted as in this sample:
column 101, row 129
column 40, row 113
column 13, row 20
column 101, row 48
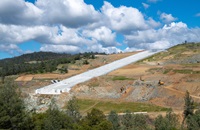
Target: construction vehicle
column 160, row 82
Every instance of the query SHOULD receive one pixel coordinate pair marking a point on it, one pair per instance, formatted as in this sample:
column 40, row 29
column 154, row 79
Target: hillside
column 188, row 53
column 39, row 62
column 178, row 67
column 36, row 56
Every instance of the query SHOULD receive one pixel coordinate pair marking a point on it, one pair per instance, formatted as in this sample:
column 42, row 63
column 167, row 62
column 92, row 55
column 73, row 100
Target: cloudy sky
column 73, row 26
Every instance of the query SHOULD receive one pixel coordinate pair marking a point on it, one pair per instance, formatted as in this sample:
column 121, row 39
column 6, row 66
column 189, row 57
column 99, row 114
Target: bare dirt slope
column 178, row 68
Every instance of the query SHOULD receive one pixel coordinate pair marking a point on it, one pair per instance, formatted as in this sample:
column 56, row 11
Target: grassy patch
column 191, row 65
column 85, row 103
column 184, row 71
column 166, row 71
column 121, row 78
column 154, row 70
column 107, row 106
column 187, row 71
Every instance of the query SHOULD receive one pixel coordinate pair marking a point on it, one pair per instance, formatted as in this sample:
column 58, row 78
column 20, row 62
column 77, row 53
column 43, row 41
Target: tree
column 55, row 119
column 188, row 107
column 114, row 119
column 38, row 120
column 127, row 120
column 139, row 122
column 160, row 123
column 2, row 79
column 93, row 56
column 95, row 120
column 12, row 110
column 85, row 62
column 64, row 69
column 2, row 74
column 73, row 109
column 95, row 117
column 193, row 121
column 169, row 122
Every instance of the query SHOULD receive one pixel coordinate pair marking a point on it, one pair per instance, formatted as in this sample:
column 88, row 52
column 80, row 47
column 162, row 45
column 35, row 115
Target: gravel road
column 67, row 84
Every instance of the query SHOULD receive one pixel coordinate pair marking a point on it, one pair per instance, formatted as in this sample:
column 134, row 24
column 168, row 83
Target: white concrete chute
column 67, row 84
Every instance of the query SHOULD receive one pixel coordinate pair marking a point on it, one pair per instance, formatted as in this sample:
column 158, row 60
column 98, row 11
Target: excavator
column 160, row 82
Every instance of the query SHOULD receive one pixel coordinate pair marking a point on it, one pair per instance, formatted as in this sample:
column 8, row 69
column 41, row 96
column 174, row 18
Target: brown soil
column 25, row 78
column 131, row 70
column 170, row 95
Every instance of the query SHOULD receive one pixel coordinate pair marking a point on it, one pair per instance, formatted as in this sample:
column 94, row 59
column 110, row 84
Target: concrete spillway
column 67, row 84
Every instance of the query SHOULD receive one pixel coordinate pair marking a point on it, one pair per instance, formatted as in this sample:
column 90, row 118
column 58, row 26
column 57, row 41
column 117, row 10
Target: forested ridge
column 39, row 62
column 36, row 56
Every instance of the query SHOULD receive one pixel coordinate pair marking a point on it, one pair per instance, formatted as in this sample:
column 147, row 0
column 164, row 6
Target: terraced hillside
column 178, row 68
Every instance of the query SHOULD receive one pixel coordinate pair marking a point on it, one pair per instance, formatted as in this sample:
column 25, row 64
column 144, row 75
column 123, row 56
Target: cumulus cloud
column 48, row 12
column 123, row 19
column 51, row 23
column 17, row 34
column 66, row 36
column 102, row 35
column 11, row 49
column 57, row 38
column 164, row 37
column 60, row 48
column 167, row 18
column 100, row 48
column 76, row 49
column 19, row 12
column 72, row 26
column 152, row 23
column 70, row 13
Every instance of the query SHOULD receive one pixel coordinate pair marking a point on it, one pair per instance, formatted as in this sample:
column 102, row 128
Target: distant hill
column 36, row 56
column 39, row 62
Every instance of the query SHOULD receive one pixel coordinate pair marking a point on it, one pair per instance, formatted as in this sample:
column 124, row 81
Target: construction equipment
column 160, row 82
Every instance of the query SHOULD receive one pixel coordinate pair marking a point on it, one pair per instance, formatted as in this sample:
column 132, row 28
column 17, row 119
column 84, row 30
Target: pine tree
column 114, row 119
column 127, row 120
column 73, row 109
column 169, row 122
column 12, row 110
column 56, row 120
column 188, row 107
column 139, row 122
column 95, row 120
column 193, row 121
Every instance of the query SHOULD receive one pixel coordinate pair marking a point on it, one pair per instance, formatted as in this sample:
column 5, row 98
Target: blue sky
column 73, row 26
